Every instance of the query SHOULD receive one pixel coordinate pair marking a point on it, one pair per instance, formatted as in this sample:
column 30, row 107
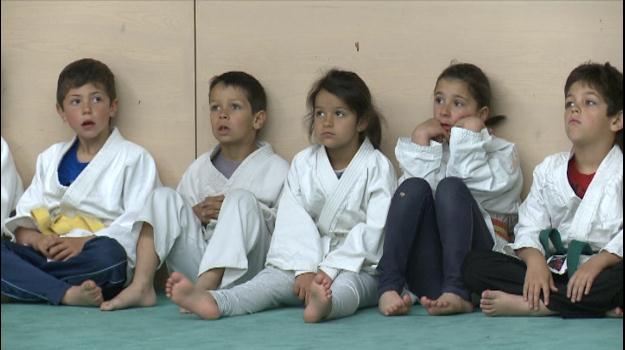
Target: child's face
column 231, row 116
column 88, row 110
column 453, row 102
column 586, row 116
column 335, row 124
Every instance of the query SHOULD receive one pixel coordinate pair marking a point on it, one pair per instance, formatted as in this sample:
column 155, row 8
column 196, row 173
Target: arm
column 11, row 183
column 295, row 243
column 364, row 241
column 489, row 167
column 419, row 161
column 139, row 178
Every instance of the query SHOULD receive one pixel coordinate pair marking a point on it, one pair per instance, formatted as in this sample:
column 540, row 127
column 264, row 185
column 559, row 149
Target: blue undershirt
column 70, row 167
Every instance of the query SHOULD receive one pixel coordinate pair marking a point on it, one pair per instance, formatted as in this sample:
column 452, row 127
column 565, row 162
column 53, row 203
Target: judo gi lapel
column 245, row 173
column 336, row 199
column 587, row 210
column 94, row 173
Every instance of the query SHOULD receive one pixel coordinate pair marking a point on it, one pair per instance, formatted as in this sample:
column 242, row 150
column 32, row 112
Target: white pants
column 273, row 287
column 238, row 243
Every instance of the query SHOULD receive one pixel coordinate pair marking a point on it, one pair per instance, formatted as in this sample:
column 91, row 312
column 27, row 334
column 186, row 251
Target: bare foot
column 182, row 292
column 135, row 295
column 86, row 294
column 392, row 304
column 446, row 304
column 617, row 312
column 319, row 304
column 498, row 303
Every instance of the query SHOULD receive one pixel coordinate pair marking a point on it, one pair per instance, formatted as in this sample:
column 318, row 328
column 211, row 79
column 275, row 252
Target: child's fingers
column 588, row 286
column 546, row 294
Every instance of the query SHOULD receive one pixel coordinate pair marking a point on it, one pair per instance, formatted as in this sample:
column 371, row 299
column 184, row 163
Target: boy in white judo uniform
column 570, row 233
column 329, row 226
column 72, row 232
column 11, row 183
column 217, row 227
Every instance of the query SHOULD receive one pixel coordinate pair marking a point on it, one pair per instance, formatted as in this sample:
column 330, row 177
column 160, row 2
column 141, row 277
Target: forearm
column 531, row 256
column 606, row 259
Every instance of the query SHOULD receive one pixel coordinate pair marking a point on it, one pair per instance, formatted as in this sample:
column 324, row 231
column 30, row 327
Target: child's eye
column 214, row 108
column 591, row 103
column 459, row 103
column 96, row 98
column 340, row 114
column 74, row 101
column 438, row 100
column 569, row 104
column 236, row 106
column 319, row 114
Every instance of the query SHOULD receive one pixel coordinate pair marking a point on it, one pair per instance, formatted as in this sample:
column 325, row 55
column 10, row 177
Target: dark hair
column 478, row 85
column 607, row 80
column 253, row 89
column 353, row 91
column 85, row 71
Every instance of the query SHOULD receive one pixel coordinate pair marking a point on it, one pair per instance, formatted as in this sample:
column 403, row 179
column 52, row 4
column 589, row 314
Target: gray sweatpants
column 273, row 287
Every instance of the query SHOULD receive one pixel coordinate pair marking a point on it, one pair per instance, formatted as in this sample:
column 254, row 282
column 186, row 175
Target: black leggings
column 427, row 238
column 496, row 271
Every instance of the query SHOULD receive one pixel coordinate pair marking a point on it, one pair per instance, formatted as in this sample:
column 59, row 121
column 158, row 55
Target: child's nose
column 86, row 108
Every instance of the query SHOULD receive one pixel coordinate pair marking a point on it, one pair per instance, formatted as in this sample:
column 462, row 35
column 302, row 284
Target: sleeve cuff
column 331, row 272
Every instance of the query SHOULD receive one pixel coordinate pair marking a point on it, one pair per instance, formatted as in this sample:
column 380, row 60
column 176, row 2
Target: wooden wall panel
column 147, row 44
column 527, row 48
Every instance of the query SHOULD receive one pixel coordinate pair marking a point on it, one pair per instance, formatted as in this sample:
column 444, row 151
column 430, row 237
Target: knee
column 109, row 251
column 412, row 189
column 449, row 188
column 162, row 194
column 240, row 197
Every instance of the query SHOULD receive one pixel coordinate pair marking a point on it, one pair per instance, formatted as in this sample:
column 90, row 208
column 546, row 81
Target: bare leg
column 319, row 304
column 141, row 291
column 498, row 303
column 182, row 292
column 446, row 304
column 392, row 304
column 86, row 294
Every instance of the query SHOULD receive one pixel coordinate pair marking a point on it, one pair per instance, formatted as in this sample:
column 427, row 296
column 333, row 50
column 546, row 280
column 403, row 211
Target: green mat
column 40, row 326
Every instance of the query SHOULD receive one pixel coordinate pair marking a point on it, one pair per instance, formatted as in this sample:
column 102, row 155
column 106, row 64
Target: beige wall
column 147, row 44
column 527, row 48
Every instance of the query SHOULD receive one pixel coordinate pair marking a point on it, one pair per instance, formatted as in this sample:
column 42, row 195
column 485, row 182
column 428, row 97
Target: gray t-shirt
column 225, row 165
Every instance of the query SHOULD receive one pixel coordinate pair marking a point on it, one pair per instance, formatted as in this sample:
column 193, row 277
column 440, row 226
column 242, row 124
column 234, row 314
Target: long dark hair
column 478, row 84
column 353, row 91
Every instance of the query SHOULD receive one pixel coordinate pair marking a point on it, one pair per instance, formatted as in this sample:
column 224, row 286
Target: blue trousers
column 28, row 276
column 428, row 236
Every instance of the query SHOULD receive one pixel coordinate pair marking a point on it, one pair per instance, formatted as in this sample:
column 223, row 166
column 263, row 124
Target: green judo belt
column 574, row 253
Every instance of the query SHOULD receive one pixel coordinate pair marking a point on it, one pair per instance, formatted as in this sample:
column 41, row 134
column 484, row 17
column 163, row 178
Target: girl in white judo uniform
column 329, row 227
column 72, row 233
column 217, row 227
column 578, row 197
column 460, row 192
column 11, row 183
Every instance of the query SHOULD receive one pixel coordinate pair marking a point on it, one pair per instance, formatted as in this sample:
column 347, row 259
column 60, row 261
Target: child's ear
column 60, row 111
column 483, row 113
column 362, row 125
column 617, row 122
column 259, row 120
column 113, row 108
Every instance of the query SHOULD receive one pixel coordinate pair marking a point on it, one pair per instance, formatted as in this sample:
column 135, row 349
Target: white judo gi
column 112, row 188
column 596, row 219
column 323, row 223
column 11, row 183
column 239, row 239
column 488, row 165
